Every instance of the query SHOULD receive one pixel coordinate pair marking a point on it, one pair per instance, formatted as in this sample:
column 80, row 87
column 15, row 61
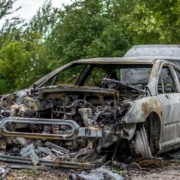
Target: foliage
column 9, row 30
column 13, row 72
column 31, row 172
column 23, row 53
column 43, row 21
column 83, row 29
column 6, row 7
column 153, row 22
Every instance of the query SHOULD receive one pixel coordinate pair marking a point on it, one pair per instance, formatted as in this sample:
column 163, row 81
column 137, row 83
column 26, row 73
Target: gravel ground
column 138, row 170
column 165, row 174
column 38, row 175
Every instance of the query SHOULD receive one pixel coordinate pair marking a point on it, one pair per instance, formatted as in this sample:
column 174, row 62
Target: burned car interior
column 72, row 107
column 87, row 111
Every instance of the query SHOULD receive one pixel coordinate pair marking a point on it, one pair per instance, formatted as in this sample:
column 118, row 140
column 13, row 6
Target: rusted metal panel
column 76, row 89
column 141, row 108
column 90, row 132
column 74, row 165
column 117, row 60
column 7, row 132
column 85, row 121
column 76, row 130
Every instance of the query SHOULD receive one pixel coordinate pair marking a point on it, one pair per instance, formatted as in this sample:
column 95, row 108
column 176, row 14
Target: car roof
column 105, row 61
column 117, row 60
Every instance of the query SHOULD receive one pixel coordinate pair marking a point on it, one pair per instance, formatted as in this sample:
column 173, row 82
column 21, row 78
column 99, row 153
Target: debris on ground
column 138, row 168
column 37, row 152
column 4, row 171
column 84, row 123
column 96, row 174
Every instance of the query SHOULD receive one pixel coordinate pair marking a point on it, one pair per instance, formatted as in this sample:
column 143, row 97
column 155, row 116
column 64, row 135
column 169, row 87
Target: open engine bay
column 74, row 124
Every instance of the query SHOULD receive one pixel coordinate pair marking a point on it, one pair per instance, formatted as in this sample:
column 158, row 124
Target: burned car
column 81, row 112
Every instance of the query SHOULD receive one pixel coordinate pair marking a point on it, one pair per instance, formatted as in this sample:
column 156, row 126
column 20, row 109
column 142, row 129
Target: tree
column 14, row 67
column 11, row 28
column 23, row 53
column 86, row 29
column 43, row 21
column 6, row 7
column 153, row 22
column 35, row 35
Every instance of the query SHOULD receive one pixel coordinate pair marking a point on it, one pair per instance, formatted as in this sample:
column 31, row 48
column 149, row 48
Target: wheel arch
column 153, row 127
column 147, row 136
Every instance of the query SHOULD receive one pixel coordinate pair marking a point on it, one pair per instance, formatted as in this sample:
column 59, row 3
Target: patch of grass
column 121, row 172
column 31, row 172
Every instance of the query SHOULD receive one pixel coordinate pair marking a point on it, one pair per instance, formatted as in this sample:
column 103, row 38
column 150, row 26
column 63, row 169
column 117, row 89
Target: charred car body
column 76, row 114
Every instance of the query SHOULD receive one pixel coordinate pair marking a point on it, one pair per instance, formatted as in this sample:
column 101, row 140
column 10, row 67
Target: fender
column 141, row 108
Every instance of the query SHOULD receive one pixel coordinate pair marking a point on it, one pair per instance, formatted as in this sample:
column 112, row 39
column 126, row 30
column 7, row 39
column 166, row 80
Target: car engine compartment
column 72, row 124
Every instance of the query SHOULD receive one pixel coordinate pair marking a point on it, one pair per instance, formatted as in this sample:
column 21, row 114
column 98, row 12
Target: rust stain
column 156, row 106
column 57, row 162
column 152, row 71
column 145, row 108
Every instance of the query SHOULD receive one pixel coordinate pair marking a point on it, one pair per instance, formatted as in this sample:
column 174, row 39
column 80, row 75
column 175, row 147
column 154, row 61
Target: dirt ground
column 171, row 171
column 164, row 174
column 162, row 168
column 38, row 175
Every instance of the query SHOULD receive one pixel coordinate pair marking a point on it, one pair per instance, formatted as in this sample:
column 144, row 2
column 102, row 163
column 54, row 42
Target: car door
column 169, row 96
column 177, row 74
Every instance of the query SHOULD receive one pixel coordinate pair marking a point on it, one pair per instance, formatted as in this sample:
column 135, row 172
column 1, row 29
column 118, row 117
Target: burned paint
column 146, row 108
column 70, row 125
